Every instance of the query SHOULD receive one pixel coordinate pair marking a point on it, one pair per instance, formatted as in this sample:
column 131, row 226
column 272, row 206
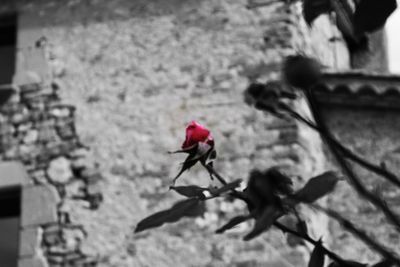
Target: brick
column 30, row 240
column 39, row 205
column 33, row 262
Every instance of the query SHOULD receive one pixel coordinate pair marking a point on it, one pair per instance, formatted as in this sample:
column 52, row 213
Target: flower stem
column 280, row 226
column 212, row 171
column 346, row 151
column 349, row 226
column 307, row 238
column 338, row 155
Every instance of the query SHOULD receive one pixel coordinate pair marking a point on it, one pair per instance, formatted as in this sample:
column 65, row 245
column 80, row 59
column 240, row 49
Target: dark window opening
column 8, row 41
column 10, row 213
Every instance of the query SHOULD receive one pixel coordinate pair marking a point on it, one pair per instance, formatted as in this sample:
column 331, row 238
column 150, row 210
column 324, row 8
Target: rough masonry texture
column 362, row 110
column 38, row 130
column 137, row 72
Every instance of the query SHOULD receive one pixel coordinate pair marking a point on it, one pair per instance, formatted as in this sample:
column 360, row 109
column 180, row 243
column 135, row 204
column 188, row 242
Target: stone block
column 59, row 170
column 66, row 131
column 39, row 205
column 37, row 261
column 13, row 173
column 52, row 235
column 75, row 189
column 31, row 136
column 73, row 237
column 39, row 176
column 30, row 239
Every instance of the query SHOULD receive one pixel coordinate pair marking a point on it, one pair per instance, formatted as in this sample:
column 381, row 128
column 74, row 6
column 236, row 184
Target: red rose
column 197, row 133
column 199, row 144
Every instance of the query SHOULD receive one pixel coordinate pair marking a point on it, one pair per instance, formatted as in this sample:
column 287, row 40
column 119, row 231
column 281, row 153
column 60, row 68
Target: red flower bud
column 197, row 133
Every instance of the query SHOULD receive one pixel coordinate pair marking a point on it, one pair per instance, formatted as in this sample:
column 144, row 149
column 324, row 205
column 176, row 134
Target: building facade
column 100, row 90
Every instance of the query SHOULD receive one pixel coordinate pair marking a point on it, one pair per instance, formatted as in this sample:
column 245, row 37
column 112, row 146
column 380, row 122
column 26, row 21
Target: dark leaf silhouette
column 384, row 263
column 190, row 190
column 197, row 191
column 345, row 23
column 185, row 208
column 317, row 187
column 301, row 71
column 226, row 188
column 232, row 223
column 268, row 97
column 371, row 15
column 281, row 182
column 268, row 216
column 317, row 258
column 301, row 228
column 314, row 8
column 254, row 91
column 348, row 263
column 264, row 188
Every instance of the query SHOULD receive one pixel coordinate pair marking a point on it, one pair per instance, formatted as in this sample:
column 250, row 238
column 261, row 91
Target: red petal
column 195, row 132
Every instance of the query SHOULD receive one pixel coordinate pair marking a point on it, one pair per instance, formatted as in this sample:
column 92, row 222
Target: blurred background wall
column 137, row 72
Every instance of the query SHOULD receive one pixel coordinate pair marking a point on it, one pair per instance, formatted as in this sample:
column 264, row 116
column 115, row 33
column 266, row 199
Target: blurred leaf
column 185, row 208
column 317, row 258
column 268, row 216
column 301, row 227
column 197, row 210
column 253, row 200
column 301, row 71
column 190, row 190
column 232, row 223
column 317, row 187
column 265, row 188
column 280, row 181
column 268, row 96
column 348, row 263
column 345, row 22
column 371, row 15
column 254, row 91
column 259, row 187
column 314, row 8
column 292, row 222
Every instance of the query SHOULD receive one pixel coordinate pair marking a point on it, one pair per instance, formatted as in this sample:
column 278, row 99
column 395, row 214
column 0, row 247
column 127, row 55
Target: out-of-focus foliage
column 367, row 16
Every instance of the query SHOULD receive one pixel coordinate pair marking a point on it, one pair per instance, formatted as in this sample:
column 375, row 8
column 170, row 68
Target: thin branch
column 212, row 171
column 355, row 181
column 346, row 151
column 362, row 235
column 282, row 227
column 307, row 238
column 222, row 180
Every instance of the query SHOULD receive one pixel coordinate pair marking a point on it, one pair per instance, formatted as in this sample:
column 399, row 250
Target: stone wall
column 372, row 134
column 138, row 71
column 38, row 130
